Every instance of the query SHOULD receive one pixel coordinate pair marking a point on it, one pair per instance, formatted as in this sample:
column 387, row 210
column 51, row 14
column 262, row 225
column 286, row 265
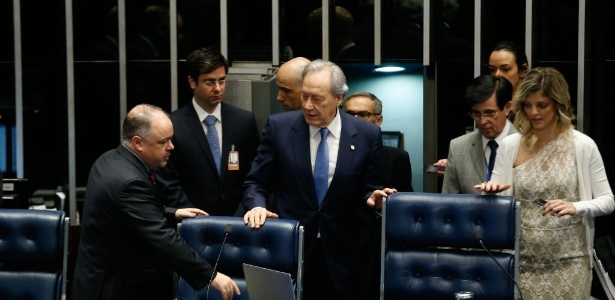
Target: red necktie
column 152, row 177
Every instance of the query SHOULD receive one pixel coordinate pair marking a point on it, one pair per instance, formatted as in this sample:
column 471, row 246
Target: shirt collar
column 203, row 114
column 500, row 137
column 335, row 127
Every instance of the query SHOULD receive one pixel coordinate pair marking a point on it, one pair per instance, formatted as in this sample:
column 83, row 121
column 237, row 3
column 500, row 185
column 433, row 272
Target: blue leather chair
column 33, row 254
column 431, row 247
column 277, row 245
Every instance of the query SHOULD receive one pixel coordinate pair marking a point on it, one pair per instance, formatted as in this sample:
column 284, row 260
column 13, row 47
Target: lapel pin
column 352, row 147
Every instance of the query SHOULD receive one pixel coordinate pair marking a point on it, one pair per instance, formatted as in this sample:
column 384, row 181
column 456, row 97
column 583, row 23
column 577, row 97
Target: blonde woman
column 548, row 159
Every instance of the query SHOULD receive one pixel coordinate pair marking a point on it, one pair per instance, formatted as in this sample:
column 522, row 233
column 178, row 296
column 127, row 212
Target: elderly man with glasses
column 472, row 155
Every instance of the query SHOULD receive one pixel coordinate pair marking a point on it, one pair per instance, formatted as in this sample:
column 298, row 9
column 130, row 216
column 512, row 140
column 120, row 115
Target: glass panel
column 96, row 82
column 97, row 104
column 95, row 30
column 201, row 25
column 402, row 29
column 7, row 91
column 453, row 70
column 148, row 49
column 351, row 31
column 502, row 20
column 44, row 91
column 249, row 30
column 295, row 36
column 6, row 31
column 555, row 30
column 599, row 94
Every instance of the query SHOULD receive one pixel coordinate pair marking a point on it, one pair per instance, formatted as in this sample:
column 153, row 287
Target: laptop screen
column 267, row 284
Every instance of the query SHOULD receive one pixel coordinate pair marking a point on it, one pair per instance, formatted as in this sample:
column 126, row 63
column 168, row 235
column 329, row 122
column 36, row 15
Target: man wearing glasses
column 471, row 156
column 215, row 142
column 397, row 173
column 397, row 169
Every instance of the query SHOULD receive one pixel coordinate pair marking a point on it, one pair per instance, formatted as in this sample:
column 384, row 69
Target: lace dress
column 554, row 262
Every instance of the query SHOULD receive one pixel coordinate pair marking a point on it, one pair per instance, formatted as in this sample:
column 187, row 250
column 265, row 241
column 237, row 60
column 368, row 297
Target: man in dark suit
column 194, row 174
column 397, row 168
column 352, row 178
column 127, row 248
column 397, row 173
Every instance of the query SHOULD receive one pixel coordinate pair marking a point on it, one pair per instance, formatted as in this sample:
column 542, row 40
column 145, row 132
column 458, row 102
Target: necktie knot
column 210, row 120
column 324, row 132
column 493, row 145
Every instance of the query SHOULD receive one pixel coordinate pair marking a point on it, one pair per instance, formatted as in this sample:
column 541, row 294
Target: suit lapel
column 228, row 130
column 346, row 151
column 196, row 127
column 478, row 155
column 300, row 143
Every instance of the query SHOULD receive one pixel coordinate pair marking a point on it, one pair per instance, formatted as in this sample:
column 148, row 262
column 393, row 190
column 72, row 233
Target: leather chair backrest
column 431, row 246
column 33, row 254
column 277, row 245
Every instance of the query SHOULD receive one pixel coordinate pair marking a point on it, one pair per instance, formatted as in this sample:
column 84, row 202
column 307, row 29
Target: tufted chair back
column 277, row 245
column 33, row 254
column 431, row 248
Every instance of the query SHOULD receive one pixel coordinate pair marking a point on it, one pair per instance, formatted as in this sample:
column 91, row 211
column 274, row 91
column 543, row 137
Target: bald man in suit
column 128, row 246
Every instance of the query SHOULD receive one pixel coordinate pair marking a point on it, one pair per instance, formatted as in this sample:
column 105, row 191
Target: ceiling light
column 389, row 69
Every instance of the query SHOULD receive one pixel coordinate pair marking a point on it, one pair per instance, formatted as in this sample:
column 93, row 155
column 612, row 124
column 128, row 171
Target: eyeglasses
column 212, row 83
column 361, row 114
column 488, row 114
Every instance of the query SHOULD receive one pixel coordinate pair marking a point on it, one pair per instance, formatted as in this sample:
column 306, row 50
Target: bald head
column 288, row 80
column 147, row 132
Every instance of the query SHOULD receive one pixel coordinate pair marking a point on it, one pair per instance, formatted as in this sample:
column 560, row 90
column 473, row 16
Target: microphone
column 479, row 237
column 227, row 230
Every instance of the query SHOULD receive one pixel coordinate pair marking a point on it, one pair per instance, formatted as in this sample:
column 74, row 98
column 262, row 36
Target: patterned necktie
column 212, row 139
column 321, row 166
column 494, row 146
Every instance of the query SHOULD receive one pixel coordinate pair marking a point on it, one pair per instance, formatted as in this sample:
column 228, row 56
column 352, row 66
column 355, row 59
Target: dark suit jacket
column 397, row 174
column 127, row 248
column 397, row 169
column 191, row 172
column 283, row 165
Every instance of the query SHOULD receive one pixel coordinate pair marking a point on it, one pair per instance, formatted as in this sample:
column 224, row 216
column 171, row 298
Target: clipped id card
column 233, row 159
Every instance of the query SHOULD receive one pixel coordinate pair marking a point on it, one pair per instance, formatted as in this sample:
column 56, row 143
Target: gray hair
column 338, row 79
column 377, row 102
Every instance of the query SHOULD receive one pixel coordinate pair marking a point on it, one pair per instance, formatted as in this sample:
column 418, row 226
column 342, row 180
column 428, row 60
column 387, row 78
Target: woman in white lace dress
column 548, row 159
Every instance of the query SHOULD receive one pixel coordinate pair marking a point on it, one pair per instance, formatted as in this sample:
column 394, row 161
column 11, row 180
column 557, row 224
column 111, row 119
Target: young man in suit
column 325, row 200
column 397, row 173
column 489, row 99
column 210, row 161
column 128, row 249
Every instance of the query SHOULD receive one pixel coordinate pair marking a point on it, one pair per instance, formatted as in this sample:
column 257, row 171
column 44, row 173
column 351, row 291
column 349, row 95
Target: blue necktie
column 212, row 139
column 494, row 146
column 321, row 166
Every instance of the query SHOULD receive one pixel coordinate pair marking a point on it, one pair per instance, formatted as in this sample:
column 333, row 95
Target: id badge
column 233, row 159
